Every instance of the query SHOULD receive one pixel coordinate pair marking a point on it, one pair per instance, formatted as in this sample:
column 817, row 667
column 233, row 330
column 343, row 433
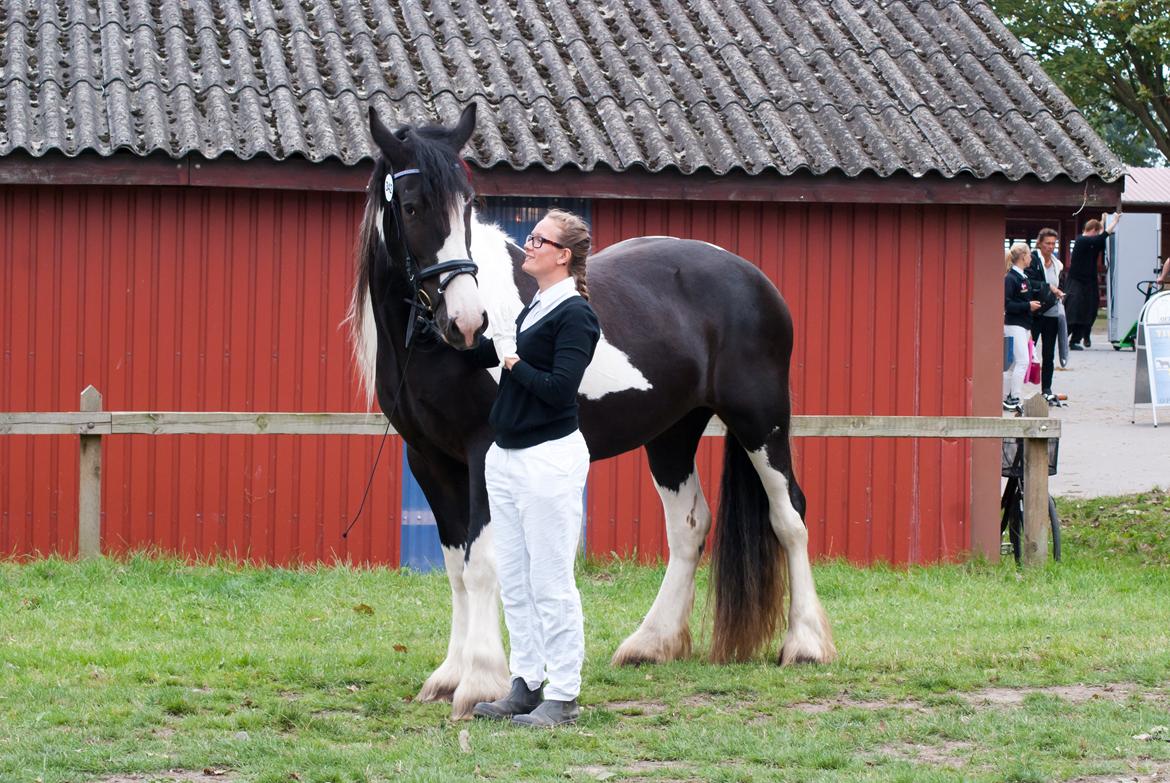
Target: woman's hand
column 1034, row 305
column 510, row 361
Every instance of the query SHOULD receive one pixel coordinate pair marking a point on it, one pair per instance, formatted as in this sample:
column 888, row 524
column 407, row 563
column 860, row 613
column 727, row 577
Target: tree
column 1112, row 59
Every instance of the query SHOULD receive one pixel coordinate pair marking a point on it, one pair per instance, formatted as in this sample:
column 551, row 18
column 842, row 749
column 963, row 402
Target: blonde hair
column 574, row 236
column 1018, row 250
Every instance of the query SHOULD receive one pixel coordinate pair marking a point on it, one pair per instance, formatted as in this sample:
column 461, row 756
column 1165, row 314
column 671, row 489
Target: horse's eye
column 410, row 210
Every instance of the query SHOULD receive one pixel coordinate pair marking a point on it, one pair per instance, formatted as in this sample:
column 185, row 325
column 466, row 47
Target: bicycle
column 1012, row 501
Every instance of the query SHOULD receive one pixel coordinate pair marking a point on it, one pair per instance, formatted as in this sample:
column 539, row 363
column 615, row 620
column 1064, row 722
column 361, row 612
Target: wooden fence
column 92, row 423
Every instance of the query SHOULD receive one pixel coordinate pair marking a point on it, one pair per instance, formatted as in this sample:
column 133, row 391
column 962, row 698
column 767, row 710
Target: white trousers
column 535, row 500
column 1013, row 377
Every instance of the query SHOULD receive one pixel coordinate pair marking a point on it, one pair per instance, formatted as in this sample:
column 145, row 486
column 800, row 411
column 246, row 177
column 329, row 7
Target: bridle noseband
column 422, row 310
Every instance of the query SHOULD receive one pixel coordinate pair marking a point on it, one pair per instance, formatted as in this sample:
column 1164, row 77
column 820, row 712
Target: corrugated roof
column 719, row 85
column 1146, row 186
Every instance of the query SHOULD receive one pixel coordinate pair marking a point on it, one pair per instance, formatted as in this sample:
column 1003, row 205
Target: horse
column 689, row 331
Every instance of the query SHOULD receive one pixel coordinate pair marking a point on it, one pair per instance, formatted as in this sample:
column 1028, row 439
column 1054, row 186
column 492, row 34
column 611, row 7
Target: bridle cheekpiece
column 422, row 310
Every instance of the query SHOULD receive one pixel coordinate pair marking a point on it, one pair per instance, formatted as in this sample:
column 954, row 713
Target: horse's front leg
column 485, row 669
column 443, row 682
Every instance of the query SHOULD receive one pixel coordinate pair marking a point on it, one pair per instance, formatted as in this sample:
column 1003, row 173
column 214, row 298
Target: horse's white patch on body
column 808, row 637
column 611, row 371
column 665, row 634
column 497, row 284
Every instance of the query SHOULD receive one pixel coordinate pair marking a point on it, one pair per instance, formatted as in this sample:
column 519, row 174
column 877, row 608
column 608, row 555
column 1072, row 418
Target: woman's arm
column 489, row 351
column 575, row 340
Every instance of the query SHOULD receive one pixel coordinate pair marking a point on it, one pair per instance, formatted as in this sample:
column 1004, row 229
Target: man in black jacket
column 1083, row 297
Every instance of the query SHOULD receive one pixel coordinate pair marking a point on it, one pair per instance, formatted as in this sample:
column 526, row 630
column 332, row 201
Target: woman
column 535, row 472
column 1044, row 271
column 1018, row 309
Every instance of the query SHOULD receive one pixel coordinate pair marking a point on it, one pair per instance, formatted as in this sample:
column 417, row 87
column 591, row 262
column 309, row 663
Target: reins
column 421, row 314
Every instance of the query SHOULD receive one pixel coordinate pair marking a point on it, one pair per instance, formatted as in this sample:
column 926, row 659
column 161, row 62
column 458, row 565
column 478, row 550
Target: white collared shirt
column 547, row 300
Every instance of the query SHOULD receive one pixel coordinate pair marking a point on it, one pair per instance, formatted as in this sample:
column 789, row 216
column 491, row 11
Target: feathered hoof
column 810, row 642
column 440, row 686
column 482, row 685
column 646, row 647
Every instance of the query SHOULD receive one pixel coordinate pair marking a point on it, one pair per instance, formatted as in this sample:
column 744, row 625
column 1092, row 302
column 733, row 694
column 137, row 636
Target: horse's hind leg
column 665, row 633
column 808, row 638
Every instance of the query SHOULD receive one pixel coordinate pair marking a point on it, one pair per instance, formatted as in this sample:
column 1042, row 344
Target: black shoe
column 520, row 701
column 1075, row 347
column 551, row 712
column 1011, row 404
column 1052, row 399
column 1088, row 342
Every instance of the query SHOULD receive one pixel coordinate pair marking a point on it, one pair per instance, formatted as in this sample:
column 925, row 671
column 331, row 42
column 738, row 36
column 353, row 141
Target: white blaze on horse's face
column 462, row 301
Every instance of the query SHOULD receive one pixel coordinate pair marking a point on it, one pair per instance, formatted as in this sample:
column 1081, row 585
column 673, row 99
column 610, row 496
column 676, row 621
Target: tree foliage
column 1112, row 59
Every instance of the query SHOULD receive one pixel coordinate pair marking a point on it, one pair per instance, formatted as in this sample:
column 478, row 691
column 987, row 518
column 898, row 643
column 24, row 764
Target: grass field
column 151, row 670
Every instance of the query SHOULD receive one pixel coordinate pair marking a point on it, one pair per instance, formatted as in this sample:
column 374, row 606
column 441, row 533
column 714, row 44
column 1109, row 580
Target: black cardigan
column 537, row 400
column 1017, row 300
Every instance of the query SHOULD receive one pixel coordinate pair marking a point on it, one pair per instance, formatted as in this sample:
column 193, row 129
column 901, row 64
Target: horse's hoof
column 440, row 686
column 482, row 686
column 646, row 647
column 429, row 693
column 808, row 643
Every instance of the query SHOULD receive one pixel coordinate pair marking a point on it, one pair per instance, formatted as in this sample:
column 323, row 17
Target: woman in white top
column 1045, row 271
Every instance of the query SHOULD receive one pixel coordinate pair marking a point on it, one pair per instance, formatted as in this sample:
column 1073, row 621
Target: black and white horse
column 689, row 331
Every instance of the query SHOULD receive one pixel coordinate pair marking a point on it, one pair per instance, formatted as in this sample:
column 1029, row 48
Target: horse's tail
column 748, row 570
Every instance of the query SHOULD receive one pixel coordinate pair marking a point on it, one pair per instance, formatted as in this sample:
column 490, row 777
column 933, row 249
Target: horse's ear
column 390, row 145
column 463, row 129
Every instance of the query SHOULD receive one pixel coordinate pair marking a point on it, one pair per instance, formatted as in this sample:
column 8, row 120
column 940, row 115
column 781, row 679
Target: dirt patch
column 949, row 754
column 634, row 708
column 634, row 768
column 209, row 775
column 1140, row 772
column 1074, row 694
column 699, row 700
column 845, row 702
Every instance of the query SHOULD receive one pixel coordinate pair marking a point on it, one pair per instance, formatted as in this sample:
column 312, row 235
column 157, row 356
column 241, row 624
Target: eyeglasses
column 536, row 240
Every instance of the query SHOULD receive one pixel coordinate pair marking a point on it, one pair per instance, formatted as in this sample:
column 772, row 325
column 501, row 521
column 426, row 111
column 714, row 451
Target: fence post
column 1035, row 488
column 89, row 496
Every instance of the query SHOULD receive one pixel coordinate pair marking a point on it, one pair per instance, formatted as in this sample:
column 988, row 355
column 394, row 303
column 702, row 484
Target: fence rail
column 92, row 423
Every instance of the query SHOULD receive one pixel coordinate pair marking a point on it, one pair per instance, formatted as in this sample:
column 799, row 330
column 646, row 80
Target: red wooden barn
column 181, row 184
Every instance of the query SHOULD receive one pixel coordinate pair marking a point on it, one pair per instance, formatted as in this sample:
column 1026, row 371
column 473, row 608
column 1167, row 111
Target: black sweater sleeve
column 575, row 340
column 483, row 354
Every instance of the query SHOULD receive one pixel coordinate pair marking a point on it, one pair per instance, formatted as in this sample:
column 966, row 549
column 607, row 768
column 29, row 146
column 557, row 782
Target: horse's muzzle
column 456, row 335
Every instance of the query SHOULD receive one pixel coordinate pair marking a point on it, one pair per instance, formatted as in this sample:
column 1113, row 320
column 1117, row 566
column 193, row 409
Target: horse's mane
column 443, row 177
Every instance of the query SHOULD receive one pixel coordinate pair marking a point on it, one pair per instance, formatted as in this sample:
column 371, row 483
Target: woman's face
column 547, row 262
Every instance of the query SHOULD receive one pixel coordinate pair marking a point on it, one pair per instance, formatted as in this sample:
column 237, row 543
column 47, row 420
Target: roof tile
column 881, row 86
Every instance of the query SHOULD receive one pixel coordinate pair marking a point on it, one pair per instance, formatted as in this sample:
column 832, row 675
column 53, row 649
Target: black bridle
column 422, row 309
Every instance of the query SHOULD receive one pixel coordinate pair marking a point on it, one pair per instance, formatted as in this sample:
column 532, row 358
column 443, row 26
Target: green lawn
column 126, row 670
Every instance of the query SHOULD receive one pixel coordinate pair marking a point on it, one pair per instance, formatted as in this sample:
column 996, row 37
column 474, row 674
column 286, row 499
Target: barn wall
column 888, row 302
column 186, row 299
column 209, row 299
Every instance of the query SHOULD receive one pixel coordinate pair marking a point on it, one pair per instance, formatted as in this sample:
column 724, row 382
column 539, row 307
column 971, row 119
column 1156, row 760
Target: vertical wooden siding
column 184, row 299
column 884, row 301
column 230, row 299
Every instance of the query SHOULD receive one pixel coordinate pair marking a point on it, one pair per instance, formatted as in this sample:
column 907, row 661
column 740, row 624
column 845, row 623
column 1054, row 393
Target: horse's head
column 424, row 219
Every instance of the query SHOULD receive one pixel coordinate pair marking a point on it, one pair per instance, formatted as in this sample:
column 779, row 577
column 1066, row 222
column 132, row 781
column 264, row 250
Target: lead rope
column 382, row 444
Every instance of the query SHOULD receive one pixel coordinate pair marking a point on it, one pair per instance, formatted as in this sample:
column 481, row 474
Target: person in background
column 1164, row 276
column 1082, row 288
column 1044, row 272
column 1018, row 309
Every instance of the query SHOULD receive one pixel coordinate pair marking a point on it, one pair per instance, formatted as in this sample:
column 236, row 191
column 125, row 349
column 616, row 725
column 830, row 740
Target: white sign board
column 1152, row 377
